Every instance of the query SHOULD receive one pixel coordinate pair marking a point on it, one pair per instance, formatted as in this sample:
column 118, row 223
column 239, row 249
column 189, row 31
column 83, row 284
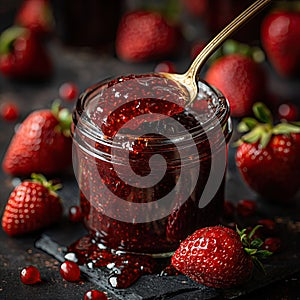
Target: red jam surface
column 139, row 107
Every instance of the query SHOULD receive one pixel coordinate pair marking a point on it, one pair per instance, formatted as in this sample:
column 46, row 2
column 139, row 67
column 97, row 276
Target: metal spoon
column 190, row 77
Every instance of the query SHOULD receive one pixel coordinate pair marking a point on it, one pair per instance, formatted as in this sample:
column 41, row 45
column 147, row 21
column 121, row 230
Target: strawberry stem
column 231, row 46
column 40, row 178
column 64, row 117
column 8, row 37
column 262, row 113
column 252, row 246
column 262, row 129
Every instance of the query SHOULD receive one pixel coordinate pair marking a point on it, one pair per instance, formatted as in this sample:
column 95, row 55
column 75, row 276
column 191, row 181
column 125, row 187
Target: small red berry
column 269, row 226
column 75, row 214
column 30, row 275
column 95, row 295
column 68, row 91
column 272, row 244
column 246, row 208
column 9, row 111
column 165, row 66
column 229, row 209
column 288, row 112
column 70, row 271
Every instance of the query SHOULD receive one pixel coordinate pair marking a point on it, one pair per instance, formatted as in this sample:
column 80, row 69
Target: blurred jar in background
column 216, row 14
column 220, row 12
column 90, row 23
column 8, row 9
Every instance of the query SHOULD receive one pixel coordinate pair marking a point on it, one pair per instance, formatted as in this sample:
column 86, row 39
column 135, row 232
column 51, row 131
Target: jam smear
column 123, row 268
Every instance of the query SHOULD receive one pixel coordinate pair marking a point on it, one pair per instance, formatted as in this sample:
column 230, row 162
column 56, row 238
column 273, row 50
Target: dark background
column 86, row 66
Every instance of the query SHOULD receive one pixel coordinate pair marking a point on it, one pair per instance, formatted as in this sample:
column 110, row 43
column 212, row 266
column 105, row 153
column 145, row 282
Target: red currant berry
column 68, row 91
column 246, row 208
column 165, row 66
column 229, row 209
column 9, row 111
column 70, row 271
column 30, row 275
column 269, row 226
column 272, row 244
column 75, row 214
column 95, row 295
column 288, row 112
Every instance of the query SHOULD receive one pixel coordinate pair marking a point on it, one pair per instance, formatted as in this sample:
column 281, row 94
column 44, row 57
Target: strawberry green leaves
column 261, row 129
column 50, row 185
column 64, row 117
column 252, row 246
column 286, row 128
column 8, row 37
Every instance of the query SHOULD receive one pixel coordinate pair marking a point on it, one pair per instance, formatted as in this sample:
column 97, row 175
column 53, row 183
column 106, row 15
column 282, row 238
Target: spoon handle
column 199, row 61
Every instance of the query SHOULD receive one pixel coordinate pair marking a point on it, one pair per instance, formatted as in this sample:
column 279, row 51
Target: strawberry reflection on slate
column 138, row 107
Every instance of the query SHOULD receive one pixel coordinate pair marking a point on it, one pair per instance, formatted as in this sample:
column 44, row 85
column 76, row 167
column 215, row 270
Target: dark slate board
column 171, row 287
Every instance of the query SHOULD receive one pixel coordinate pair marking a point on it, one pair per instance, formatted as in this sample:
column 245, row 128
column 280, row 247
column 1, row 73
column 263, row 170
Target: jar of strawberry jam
column 151, row 170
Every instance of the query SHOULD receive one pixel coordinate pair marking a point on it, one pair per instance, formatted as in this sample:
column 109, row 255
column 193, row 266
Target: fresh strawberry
column 240, row 79
column 42, row 144
column 32, row 205
column 23, row 56
column 218, row 256
column 268, row 156
column 144, row 36
column 35, row 15
column 280, row 32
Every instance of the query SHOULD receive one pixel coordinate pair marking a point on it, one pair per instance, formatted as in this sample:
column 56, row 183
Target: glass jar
column 150, row 170
column 87, row 23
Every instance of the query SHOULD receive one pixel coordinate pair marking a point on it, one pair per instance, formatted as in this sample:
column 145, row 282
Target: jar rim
column 220, row 116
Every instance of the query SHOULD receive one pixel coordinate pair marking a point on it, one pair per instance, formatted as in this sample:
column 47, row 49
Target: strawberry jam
column 150, row 170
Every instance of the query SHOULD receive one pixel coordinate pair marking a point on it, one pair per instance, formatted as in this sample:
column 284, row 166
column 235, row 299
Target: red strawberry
column 22, row 56
column 42, row 144
column 280, row 32
column 216, row 256
column 144, row 36
column 268, row 156
column 35, row 15
column 240, row 79
column 32, row 205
